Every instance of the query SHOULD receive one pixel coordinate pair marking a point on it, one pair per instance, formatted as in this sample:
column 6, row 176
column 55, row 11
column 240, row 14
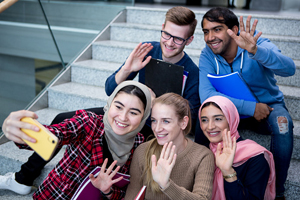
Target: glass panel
column 29, row 58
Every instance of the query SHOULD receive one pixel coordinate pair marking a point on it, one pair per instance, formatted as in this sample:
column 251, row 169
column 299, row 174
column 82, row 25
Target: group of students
column 171, row 165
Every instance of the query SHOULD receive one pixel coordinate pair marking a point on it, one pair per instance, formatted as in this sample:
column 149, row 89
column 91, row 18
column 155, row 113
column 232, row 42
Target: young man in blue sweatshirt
column 228, row 50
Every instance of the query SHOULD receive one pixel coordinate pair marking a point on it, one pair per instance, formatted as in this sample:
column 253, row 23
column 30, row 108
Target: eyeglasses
column 176, row 40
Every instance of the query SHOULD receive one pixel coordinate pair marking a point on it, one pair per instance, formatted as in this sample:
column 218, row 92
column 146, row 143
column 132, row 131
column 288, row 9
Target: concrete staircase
column 81, row 85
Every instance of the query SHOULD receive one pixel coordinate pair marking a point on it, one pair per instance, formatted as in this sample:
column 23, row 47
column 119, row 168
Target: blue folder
column 232, row 85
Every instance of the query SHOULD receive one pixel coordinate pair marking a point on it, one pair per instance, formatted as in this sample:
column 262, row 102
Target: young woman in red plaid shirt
column 93, row 140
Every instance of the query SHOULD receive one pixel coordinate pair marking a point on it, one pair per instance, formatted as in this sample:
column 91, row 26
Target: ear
column 162, row 26
column 189, row 40
column 235, row 29
column 184, row 122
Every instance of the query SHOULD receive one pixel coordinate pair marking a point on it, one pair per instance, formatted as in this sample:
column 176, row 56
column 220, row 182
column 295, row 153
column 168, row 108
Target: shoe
column 9, row 182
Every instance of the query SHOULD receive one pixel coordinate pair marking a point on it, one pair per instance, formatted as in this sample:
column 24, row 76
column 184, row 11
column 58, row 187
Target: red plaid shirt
column 84, row 136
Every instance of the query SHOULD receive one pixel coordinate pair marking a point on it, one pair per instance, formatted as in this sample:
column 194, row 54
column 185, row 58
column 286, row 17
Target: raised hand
column 135, row 61
column 246, row 40
column 104, row 180
column 225, row 156
column 161, row 169
column 12, row 126
column 262, row 111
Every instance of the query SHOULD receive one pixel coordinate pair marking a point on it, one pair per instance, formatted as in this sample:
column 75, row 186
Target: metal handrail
column 52, row 35
column 6, row 4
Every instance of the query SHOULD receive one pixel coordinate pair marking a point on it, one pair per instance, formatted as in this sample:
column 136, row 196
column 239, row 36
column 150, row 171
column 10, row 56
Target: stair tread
column 98, row 65
column 290, row 91
column 78, row 89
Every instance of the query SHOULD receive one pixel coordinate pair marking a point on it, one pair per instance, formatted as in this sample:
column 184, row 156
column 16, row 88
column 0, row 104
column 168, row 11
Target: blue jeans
column 280, row 125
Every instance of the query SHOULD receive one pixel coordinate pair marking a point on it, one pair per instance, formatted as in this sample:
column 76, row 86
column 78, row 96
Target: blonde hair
column 182, row 109
column 181, row 16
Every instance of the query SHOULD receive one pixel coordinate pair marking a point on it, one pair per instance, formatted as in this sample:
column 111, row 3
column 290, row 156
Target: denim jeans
column 281, row 130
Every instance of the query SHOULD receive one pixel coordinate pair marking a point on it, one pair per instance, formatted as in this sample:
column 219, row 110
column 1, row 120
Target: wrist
column 107, row 193
column 254, row 50
column 164, row 185
column 230, row 177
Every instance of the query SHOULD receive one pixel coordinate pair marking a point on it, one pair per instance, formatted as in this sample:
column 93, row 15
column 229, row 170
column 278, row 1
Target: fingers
column 270, row 109
column 253, row 27
column 168, row 150
column 248, row 24
column 12, row 126
column 103, row 168
column 92, row 177
column 234, row 143
column 146, row 61
column 242, row 28
column 142, row 49
column 219, row 149
column 154, row 161
column 232, row 34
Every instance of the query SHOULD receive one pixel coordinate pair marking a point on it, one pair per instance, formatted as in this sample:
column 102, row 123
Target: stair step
column 47, row 115
column 292, row 100
column 292, row 185
column 127, row 32
column 141, row 33
column 73, row 96
column 291, row 80
column 93, row 72
column 265, row 140
column 118, row 51
column 11, row 160
column 268, row 24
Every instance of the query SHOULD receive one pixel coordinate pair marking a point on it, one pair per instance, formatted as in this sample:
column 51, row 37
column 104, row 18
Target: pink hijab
column 245, row 150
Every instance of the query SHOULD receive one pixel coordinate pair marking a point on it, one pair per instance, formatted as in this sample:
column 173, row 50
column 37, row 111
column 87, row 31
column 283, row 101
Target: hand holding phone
column 46, row 142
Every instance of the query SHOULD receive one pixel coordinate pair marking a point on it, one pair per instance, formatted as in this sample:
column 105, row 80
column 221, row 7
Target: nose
column 210, row 36
column 211, row 125
column 123, row 116
column 157, row 127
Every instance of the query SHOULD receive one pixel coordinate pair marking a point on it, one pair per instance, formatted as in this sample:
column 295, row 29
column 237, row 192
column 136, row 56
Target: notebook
column 163, row 77
column 86, row 190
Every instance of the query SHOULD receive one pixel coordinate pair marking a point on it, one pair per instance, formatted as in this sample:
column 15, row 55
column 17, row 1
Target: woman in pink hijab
column 244, row 169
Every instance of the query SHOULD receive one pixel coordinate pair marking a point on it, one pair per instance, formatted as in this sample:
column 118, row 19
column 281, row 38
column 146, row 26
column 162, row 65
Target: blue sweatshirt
column 192, row 83
column 258, row 71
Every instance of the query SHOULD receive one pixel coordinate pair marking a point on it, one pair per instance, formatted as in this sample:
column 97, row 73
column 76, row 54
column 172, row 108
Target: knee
column 284, row 124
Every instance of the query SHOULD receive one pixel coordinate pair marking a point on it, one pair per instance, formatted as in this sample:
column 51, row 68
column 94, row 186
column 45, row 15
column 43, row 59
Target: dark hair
column 136, row 91
column 210, row 103
column 221, row 15
column 182, row 16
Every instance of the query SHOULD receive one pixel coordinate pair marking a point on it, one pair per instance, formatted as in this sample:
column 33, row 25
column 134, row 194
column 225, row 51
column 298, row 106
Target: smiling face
column 125, row 113
column 172, row 52
column 218, row 40
column 166, row 125
column 213, row 123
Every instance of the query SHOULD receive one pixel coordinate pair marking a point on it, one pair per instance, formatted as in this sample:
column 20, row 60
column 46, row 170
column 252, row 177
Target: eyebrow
column 213, row 116
column 136, row 109
column 219, row 26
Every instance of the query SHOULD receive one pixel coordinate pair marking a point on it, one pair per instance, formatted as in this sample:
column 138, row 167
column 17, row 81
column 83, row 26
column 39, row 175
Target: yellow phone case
column 46, row 142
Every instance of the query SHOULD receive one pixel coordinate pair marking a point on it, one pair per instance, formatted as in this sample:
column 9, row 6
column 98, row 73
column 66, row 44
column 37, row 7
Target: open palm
column 225, row 156
column 161, row 169
column 105, row 180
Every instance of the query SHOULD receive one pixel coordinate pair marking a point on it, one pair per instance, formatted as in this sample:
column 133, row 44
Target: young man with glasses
column 177, row 32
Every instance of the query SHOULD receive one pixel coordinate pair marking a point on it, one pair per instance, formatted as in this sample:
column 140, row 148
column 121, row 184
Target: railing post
column 61, row 59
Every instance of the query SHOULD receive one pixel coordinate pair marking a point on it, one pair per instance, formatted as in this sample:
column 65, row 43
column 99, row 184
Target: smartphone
column 46, row 142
